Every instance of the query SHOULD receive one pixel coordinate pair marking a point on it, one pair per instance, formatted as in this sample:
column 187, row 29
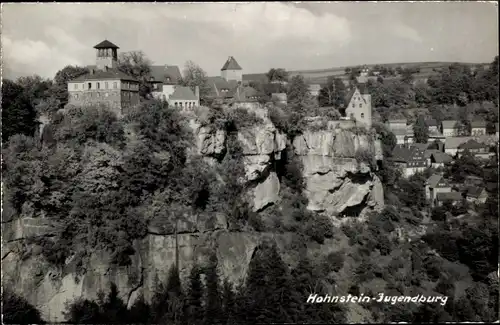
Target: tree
column 17, row 310
column 279, row 75
column 35, row 88
column 333, row 93
column 194, row 297
column 136, row 64
column 298, row 94
column 59, row 89
column 213, row 303
column 194, row 76
column 421, row 130
column 18, row 114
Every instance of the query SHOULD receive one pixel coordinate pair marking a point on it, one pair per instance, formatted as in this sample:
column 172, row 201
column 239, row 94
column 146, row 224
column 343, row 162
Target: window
column 106, row 94
column 360, row 105
column 353, row 105
column 76, row 96
column 76, row 86
column 97, row 95
column 90, row 85
column 176, row 104
column 362, row 115
column 115, row 85
column 106, row 85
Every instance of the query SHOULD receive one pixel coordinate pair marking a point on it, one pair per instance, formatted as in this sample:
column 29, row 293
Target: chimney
column 197, row 92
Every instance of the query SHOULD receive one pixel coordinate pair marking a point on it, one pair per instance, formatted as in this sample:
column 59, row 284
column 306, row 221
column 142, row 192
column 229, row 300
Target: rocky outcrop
column 49, row 288
column 262, row 145
column 336, row 183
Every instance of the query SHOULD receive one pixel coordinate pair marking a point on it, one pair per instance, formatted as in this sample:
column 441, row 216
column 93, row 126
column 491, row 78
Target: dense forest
column 100, row 180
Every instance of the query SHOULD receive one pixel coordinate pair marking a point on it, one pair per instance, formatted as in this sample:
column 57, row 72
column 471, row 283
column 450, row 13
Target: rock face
column 336, row 185
column 335, row 182
column 49, row 289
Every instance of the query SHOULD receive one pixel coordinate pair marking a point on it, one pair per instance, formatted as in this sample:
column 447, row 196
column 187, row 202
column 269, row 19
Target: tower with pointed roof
column 232, row 70
column 106, row 55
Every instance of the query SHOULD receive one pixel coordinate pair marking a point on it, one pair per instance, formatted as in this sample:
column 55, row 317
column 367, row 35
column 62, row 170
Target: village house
column 452, row 198
column 478, row 128
column 404, row 133
column 450, row 128
column 432, row 125
column 409, row 159
column 451, row 144
column 105, row 85
column 439, row 159
column 478, row 150
column 231, row 70
column 477, row 195
column 164, row 80
column 434, row 185
column 359, row 107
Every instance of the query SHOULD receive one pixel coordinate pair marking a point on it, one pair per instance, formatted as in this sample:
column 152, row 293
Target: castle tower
column 232, row 70
column 106, row 55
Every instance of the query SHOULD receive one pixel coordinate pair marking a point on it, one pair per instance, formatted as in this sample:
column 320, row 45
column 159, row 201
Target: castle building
column 105, row 84
column 359, row 107
column 232, row 70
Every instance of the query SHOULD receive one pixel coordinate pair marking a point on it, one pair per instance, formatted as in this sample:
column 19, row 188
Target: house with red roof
column 105, row 84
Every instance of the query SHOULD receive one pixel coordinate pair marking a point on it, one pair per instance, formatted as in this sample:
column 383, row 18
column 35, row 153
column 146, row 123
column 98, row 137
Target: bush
column 367, row 157
column 243, row 118
column 335, row 261
column 318, row 228
column 17, row 310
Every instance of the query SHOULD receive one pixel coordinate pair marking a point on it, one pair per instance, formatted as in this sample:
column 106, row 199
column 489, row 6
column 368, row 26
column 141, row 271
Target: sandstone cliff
column 336, row 184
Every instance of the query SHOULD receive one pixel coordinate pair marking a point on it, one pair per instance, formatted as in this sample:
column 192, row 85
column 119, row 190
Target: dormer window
column 90, row 85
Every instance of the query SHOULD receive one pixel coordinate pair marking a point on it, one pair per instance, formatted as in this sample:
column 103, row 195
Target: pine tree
column 213, row 305
column 194, row 308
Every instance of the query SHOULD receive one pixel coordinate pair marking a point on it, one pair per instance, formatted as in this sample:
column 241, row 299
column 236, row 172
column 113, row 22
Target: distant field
column 321, row 75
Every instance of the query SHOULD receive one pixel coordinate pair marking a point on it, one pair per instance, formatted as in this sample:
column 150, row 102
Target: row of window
column 125, row 85
column 354, row 105
column 127, row 95
column 187, row 105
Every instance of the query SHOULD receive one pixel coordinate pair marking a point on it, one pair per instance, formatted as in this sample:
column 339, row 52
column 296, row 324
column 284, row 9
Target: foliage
column 136, row 64
column 81, row 124
column 421, row 130
column 18, row 112
column 195, row 76
column 333, row 93
column 16, row 310
column 279, row 75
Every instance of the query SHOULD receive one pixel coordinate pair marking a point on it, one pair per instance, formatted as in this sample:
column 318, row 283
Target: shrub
column 318, row 228
column 335, row 261
column 243, row 118
column 367, row 157
column 17, row 310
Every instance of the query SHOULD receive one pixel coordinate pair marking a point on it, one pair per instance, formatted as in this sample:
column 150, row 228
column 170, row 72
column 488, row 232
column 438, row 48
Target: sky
column 42, row 38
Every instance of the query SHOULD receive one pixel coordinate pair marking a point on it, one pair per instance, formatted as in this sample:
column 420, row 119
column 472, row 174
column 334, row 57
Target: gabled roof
column 420, row 146
column 429, row 152
column 434, row 181
column 246, row 94
column 408, row 154
column 451, row 196
column 431, row 122
column 441, row 157
column 450, row 124
column 454, row 142
column 104, row 75
column 183, row 93
column 474, row 191
column 106, row 45
column 472, row 144
column 478, row 124
column 231, row 64
column 160, row 73
column 362, row 90
column 217, row 84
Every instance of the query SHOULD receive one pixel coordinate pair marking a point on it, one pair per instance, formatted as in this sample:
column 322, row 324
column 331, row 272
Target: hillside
column 320, row 75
